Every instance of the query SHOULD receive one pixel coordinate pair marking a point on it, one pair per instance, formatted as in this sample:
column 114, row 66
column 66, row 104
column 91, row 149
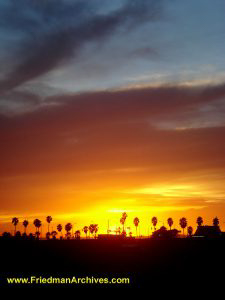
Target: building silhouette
column 208, row 232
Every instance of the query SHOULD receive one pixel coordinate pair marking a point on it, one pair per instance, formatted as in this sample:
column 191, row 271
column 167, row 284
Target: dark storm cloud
column 51, row 34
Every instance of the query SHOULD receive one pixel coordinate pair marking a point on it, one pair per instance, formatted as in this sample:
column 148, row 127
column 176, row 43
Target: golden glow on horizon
column 99, row 202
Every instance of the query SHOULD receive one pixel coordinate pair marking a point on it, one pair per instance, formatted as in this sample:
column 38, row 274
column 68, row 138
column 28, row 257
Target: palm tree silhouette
column 48, row 235
column 183, row 223
column 37, row 224
column 123, row 220
column 216, row 221
column 68, row 227
column 154, row 222
column 59, row 228
column 190, row 230
column 124, row 215
column 18, row 235
column 48, row 219
column 199, row 221
column 54, row 234
column 85, row 230
column 15, row 221
column 77, row 234
column 95, row 229
column 90, row 228
column 170, row 222
column 25, row 224
column 136, row 222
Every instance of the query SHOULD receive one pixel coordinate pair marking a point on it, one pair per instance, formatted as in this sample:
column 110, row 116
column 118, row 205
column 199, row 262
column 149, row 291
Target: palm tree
column 123, row 220
column 48, row 235
column 154, row 222
column 199, row 221
column 77, row 234
column 54, row 234
column 183, row 223
column 136, row 222
column 216, row 221
column 68, row 227
column 15, row 221
column 85, row 230
column 190, row 231
column 59, row 227
column 37, row 224
column 18, row 234
column 95, row 229
column 124, row 215
column 92, row 228
column 25, row 224
column 48, row 219
column 170, row 222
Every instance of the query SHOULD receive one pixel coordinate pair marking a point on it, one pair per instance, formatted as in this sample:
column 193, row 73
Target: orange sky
column 95, row 155
column 112, row 106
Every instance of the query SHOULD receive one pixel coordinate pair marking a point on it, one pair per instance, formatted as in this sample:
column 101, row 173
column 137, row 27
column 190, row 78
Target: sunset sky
column 112, row 106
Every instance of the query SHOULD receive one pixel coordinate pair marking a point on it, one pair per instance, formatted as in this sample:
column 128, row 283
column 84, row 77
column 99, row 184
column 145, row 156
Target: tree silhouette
column 154, row 222
column 6, row 235
column 85, row 230
column 216, row 221
column 91, row 229
column 183, row 223
column 199, row 221
column 37, row 224
column 136, row 222
column 15, row 221
column 54, row 234
column 190, row 231
column 95, row 229
column 123, row 220
column 18, row 235
column 68, row 227
column 124, row 215
column 25, row 224
column 59, row 228
column 31, row 236
column 48, row 219
column 170, row 222
column 77, row 234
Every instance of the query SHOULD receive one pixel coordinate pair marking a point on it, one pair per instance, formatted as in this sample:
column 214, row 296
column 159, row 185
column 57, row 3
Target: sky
column 112, row 106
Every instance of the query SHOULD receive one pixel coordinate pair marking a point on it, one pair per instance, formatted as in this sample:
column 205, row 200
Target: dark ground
column 148, row 263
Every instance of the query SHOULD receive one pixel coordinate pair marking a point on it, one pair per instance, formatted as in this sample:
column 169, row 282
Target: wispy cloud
column 55, row 33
